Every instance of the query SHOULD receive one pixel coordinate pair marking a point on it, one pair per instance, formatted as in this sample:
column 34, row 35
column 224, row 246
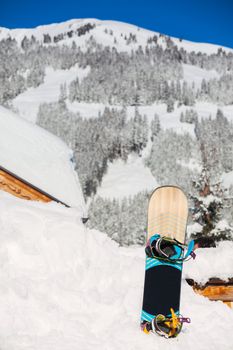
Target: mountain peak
column 111, row 33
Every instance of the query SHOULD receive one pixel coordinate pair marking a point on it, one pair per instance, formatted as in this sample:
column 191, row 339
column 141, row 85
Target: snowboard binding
column 168, row 327
column 169, row 249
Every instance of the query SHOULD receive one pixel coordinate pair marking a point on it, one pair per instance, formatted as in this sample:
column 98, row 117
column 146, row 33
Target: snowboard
column 167, row 217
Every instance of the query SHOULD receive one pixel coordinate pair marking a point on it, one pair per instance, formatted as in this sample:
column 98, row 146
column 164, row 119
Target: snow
column 40, row 158
column 27, row 103
column 227, row 179
column 125, row 179
column 210, row 199
column 65, row 287
column 86, row 110
column 211, row 262
column 167, row 120
column 209, row 49
column 194, row 74
column 192, row 164
column 38, row 32
column 205, row 109
column 193, row 228
column 172, row 120
column 99, row 34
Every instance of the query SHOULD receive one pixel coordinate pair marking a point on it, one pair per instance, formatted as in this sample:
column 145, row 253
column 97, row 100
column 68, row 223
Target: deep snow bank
column 65, row 287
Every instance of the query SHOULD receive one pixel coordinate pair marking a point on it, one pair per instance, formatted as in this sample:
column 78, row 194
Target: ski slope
column 28, row 102
column 65, row 287
column 125, row 179
column 194, row 74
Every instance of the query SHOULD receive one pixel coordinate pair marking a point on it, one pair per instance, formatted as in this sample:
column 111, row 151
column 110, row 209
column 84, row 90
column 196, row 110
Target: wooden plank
column 215, row 289
column 218, row 292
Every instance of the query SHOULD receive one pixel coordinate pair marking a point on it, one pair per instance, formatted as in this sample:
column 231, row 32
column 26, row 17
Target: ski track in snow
column 65, row 287
column 27, row 103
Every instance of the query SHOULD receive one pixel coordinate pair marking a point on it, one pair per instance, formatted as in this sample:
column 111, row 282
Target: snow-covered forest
column 124, row 92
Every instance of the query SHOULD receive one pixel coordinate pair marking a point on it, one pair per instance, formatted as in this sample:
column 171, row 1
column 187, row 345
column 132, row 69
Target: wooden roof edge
column 213, row 281
column 25, row 182
column 33, row 186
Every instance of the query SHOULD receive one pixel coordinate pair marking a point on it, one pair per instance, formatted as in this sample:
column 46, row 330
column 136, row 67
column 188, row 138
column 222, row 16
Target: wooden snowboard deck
column 167, row 213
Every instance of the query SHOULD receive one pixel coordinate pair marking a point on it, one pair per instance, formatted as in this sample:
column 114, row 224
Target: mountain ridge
column 74, row 24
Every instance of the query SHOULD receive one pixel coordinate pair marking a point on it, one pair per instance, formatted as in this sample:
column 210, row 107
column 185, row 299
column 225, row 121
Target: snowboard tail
column 167, row 217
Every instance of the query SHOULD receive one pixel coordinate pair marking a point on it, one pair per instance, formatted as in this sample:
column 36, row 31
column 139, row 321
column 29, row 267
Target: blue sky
column 206, row 21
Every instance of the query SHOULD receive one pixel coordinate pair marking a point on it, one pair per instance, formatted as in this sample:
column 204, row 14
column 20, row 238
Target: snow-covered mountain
column 81, row 32
column 134, row 105
column 73, row 30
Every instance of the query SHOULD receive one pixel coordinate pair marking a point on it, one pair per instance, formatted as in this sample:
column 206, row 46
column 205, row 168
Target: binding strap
column 169, row 249
column 168, row 327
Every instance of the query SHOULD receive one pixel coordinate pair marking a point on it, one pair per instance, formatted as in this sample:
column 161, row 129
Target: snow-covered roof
column 40, row 158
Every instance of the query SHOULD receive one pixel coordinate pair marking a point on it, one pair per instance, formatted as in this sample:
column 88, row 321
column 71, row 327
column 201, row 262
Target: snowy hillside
column 67, row 287
column 82, row 32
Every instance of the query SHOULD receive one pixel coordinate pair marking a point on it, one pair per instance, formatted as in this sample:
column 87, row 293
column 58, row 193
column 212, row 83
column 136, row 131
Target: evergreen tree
column 170, row 105
column 208, row 205
column 155, row 126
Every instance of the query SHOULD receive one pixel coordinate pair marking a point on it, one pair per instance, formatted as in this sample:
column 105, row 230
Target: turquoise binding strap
column 190, row 250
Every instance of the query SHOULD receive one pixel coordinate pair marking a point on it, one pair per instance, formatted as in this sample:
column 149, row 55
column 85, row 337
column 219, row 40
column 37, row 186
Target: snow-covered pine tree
column 190, row 116
column 209, row 202
column 170, row 105
column 155, row 126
